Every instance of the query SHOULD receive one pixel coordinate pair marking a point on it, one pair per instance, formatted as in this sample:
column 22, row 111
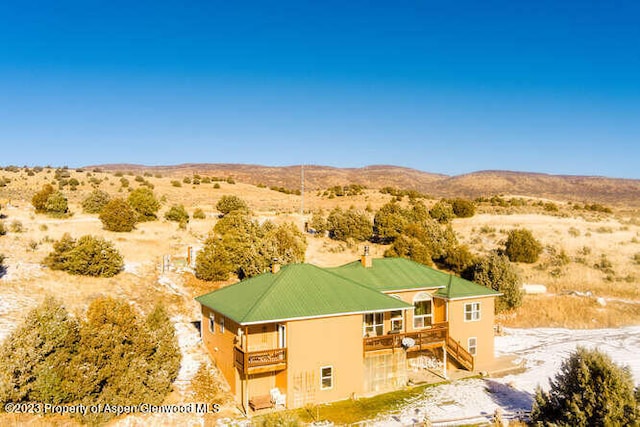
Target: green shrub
column 318, row 222
column 177, row 213
column 442, row 212
column 118, row 215
column 349, row 224
column 411, row 248
column 144, row 202
column 496, row 272
column 3, row 230
column 57, row 204
column 199, row 214
column 521, row 246
column 247, row 248
column 389, row 222
column 87, row 256
column 176, row 183
column 94, row 203
column 458, row 259
column 589, row 390
column 212, row 262
column 463, row 208
column 39, row 200
column 230, row 203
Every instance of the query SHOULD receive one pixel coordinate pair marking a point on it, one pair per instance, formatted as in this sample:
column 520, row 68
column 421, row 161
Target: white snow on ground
column 12, row 310
column 21, row 270
column 192, row 354
column 542, row 350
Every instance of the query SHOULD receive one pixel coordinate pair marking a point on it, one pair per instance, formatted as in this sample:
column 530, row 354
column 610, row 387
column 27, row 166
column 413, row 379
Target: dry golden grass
column 615, row 235
column 569, row 311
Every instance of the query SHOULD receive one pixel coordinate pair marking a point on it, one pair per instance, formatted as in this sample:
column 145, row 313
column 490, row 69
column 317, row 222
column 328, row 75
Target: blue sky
column 448, row 87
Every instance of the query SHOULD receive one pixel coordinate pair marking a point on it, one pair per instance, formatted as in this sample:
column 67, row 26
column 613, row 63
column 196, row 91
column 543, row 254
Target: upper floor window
column 221, row 322
column 422, row 311
column 373, row 324
column 212, row 323
column 471, row 311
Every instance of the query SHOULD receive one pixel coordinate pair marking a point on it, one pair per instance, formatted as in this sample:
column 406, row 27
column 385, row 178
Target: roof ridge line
column 268, row 291
column 355, row 283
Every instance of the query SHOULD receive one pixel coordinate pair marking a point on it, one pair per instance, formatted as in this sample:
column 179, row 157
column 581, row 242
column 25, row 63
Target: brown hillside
column 483, row 183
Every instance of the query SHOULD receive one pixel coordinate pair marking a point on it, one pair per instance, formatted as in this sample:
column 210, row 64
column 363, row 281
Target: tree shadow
column 509, row 398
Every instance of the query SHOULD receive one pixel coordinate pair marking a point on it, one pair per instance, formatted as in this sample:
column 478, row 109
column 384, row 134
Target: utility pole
column 302, row 189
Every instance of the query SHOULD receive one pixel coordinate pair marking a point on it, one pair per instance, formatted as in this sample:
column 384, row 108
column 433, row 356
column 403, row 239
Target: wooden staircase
column 460, row 354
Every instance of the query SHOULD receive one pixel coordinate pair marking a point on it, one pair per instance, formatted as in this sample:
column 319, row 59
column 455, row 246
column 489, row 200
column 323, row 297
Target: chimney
column 275, row 266
column 366, row 260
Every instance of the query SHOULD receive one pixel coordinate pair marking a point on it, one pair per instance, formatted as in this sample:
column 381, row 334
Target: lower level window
column 472, row 345
column 326, row 377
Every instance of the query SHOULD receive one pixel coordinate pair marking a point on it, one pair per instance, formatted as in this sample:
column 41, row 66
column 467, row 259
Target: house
column 325, row 334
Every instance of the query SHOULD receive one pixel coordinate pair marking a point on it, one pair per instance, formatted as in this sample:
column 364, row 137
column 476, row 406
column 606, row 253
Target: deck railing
column 436, row 334
column 254, row 359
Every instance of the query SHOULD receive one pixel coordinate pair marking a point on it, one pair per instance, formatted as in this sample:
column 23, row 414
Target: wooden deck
column 255, row 362
column 423, row 339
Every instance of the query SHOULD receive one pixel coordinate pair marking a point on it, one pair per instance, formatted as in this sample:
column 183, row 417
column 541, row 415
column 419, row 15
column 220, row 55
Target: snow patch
column 542, row 350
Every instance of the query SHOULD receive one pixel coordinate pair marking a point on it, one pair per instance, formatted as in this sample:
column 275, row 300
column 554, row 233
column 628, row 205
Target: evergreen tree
column 496, row 272
column 97, row 200
column 589, row 390
column 144, row 202
column 118, row 215
column 521, row 246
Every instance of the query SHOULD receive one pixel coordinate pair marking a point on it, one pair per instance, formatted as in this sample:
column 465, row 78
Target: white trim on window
column 472, row 312
column 373, row 324
column 326, row 377
column 397, row 320
column 422, row 303
column 212, row 323
column 221, row 324
column 472, row 345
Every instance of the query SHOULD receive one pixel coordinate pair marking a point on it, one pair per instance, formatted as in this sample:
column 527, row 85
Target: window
column 472, row 312
column 422, row 311
column 212, row 323
column 326, row 377
column 373, row 325
column 221, row 325
column 396, row 320
column 472, row 345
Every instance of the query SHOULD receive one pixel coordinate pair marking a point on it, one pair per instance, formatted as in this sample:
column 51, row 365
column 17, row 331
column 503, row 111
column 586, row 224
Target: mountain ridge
column 483, row 183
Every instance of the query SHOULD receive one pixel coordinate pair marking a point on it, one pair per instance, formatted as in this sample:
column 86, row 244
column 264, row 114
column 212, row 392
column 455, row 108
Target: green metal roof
column 394, row 274
column 296, row 291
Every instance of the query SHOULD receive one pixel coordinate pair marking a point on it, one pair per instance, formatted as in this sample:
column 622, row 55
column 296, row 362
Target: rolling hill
column 483, row 183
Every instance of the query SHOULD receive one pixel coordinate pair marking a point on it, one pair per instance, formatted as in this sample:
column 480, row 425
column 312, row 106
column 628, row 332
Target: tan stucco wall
column 262, row 337
column 314, row 343
column 461, row 330
column 438, row 305
column 220, row 345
